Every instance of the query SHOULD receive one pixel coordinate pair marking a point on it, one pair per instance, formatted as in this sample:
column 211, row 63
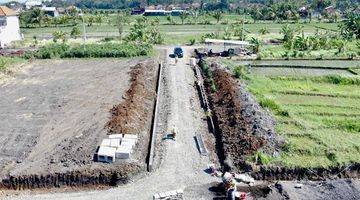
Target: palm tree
column 37, row 16
column 183, row 16
column 288, row 32
column 218, row 16
column 264, row 30
column 170, row 19
column 256, row 45
column 195, row 15
column 121, row 20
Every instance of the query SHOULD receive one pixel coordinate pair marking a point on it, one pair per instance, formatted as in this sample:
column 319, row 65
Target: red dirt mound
column 132, row 114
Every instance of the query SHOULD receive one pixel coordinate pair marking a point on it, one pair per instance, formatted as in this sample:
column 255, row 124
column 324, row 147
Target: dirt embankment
column 244, row 128
column 132, row 115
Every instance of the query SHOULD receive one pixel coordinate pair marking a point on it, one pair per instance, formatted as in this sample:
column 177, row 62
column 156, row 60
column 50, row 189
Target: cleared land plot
column 320, row 120
column 53, row 115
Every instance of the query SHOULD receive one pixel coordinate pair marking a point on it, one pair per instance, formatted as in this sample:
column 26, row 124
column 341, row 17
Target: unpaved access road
column 182, row 167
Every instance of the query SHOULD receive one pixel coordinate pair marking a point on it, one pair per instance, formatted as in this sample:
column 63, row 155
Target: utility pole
column 84, row 29
column 243, row 23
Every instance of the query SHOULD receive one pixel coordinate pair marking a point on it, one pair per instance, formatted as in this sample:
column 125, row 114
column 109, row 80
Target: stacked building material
column 117, row 146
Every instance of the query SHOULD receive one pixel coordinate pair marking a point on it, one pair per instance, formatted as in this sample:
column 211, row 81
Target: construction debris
column 170, row 195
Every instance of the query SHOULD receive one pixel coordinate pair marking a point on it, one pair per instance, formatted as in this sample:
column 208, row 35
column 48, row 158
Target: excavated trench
column 133, row 115
column 244, row 128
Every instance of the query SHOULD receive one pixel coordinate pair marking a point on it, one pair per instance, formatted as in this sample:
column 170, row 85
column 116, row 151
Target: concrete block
column 115, row 142
column 123, row 152
column 116, row 136
column 105, row 142
column 128, row 142
column 106, row 154
column 130, row 136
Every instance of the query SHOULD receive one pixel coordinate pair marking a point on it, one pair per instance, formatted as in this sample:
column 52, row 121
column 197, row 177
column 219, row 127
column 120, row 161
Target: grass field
column 319, row 117
column 8, row 61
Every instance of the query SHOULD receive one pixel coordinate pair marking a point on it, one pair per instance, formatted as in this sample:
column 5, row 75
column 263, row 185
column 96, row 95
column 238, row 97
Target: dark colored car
column 178, row 52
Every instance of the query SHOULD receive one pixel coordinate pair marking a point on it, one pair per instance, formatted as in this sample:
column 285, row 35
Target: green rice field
column 319, row 117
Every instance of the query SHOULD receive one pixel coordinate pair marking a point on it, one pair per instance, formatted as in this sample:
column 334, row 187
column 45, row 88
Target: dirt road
column 182, row 166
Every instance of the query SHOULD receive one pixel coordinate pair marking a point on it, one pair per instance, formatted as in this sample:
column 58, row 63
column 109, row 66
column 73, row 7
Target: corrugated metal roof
column 5, row 11
column 228, row 42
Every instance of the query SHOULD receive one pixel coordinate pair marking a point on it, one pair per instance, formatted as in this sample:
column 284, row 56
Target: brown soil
column 243, row 126
column 132, row 114
column 70, row 103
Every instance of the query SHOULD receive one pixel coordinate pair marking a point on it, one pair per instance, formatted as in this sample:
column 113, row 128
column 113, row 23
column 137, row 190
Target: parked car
column 178, row 52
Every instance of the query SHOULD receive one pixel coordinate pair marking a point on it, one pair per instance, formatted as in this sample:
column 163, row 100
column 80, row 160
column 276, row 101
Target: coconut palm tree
column 183, row 16
column 37, row 16
column 218, row 15
column 256, row 45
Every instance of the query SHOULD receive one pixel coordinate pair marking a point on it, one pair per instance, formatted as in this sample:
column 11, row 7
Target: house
column 50, row 11
column 9, row 26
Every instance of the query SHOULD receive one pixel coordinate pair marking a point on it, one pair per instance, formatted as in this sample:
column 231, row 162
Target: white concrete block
column 130, row 136
column 105, row 142
column 128, row 142
column 106, row 154
column 115, row 142
column 116, row 136
column 123, row 152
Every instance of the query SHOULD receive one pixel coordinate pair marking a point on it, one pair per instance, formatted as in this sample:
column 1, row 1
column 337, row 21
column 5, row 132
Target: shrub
column 240, row 72
column 192, row 41
column 92, row 50
column 262, row 158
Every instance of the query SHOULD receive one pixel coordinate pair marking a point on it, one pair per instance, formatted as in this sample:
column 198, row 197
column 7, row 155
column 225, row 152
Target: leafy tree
column 98, row 19
column 59, row 35
column 75, row 32
column 350, row 27
column 90, row 20
column 218, row 15
column 339, row 44
column 145, row 31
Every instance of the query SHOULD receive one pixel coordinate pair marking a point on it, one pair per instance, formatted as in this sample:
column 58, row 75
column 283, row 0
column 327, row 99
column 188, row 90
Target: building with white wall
column 9, row 26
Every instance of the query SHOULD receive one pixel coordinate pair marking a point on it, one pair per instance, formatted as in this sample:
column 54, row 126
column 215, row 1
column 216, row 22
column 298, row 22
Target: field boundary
column 154, row 120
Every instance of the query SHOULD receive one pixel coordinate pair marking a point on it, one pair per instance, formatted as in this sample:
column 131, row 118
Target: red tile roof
column 5, row 11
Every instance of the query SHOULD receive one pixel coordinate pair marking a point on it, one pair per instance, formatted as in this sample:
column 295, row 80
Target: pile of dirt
column 132, row 114
column 243, row 126
column 111, row 175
